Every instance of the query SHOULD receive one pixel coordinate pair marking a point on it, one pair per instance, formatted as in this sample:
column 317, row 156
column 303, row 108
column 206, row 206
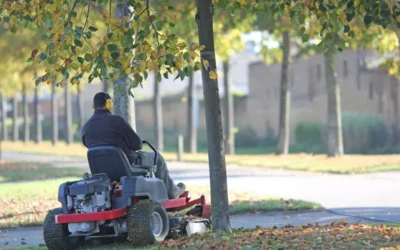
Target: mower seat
column 112, row 161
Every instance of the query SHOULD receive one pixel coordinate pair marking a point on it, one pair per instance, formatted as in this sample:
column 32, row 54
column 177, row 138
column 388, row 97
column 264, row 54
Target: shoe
column 180, row 189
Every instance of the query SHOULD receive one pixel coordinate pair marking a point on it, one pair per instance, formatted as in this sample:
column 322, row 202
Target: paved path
column 332, row 191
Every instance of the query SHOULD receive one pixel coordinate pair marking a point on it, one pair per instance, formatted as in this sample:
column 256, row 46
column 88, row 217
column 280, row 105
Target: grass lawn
column 338, row 235
column 302, row 162
column 26, row 202
column 20, row 171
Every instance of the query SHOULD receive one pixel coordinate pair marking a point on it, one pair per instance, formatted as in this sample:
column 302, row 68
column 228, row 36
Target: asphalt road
column 331, row 191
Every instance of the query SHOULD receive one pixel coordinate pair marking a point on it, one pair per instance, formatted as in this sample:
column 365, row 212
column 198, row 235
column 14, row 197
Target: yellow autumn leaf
column 151, row 65
column 181, row 45
column 142, row 66
column 206, row 64
column 194, row 46
column 242, row 2
column 178, row 64
column 75, row 65
column 213, row 75
column 128, row 71
column 192, row 55
column 391, row 71
column 52, row 8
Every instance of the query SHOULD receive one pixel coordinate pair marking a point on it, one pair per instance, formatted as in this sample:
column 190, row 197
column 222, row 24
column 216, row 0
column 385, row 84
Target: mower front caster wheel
column 147, row 223
column 56, row 236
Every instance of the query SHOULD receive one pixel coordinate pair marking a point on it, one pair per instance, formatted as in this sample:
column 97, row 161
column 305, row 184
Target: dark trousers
column 162, row 173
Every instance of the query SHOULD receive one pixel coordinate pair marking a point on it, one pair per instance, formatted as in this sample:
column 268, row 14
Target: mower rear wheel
column 56, row 236
column 147, row 223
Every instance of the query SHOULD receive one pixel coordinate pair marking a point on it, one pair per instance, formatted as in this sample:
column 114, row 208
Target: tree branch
column 153, row 26
column 87, row 17
column 70, row 13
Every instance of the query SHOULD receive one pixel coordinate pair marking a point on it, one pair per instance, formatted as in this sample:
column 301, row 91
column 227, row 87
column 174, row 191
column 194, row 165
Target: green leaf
column 48, row 23
column 65, row 46
column 42, row 56
column 186, row 56
column 322, row 7
column 165, row 75
column 50, row 46
column 142, row 56
column 88, row 34
column 78, row 43
column 92, row 28
column 112, row 47
column 182, row 74
column 13, row 29
column 158, row 77
column 88, row 57
column 346, row 28
column 80, row 59
column 63, row 71
column 114, row 55
column 127, row 40
column 352, row 34
column 91, row 77
column 305, row 38
column 302, row 30
column 159, row 25
column 189, row 70
column 52, row 60
column 368, row 20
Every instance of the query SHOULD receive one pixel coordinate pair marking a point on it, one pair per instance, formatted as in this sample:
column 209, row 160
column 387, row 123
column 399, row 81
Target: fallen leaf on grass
column 335, row 235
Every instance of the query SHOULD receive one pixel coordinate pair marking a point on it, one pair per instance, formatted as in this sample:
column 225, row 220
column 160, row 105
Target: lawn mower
column 119, row 201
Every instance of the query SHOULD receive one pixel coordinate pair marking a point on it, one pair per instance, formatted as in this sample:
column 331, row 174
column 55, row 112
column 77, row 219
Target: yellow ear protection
column 108, row 101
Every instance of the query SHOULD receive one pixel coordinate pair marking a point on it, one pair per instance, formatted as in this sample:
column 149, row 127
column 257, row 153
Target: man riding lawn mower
column 129, row 193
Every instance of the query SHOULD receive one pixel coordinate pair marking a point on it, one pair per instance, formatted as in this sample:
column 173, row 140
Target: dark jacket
column 103, row 129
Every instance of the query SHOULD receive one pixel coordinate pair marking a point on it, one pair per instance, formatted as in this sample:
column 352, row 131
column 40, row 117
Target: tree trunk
column 4, row 129
column 38, row 122
column 396, row 118
column 335, row 135
column 215, row 137
column 81, row 115
column 191, row 144
column 68, row 114
column 15, row 119
column 284, row 112
column 124, row 104
column 106, row 86
column 54, row 113
column 229, row 116
column 25, row 111
column 395, row 102
column 157, row 110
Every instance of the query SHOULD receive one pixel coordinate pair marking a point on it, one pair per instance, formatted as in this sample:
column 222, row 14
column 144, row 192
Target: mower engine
column 92, row 194
column 89, row 203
